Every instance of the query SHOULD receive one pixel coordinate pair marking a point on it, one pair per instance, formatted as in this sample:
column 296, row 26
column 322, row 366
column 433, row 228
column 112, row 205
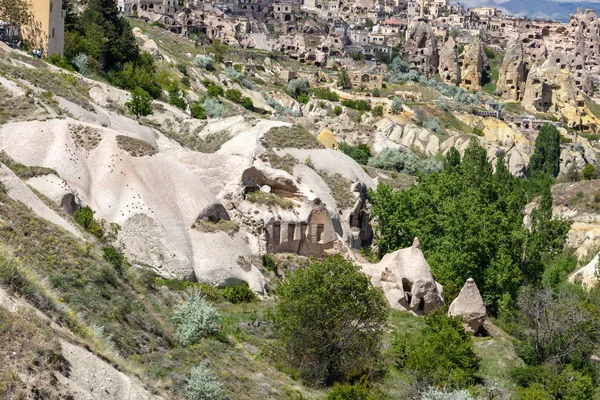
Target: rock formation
column 473, row 63
column 449, row 69
column 586, row 275
column 513, row 75
column 469, row 305
column 421, row 47
column 406, row 280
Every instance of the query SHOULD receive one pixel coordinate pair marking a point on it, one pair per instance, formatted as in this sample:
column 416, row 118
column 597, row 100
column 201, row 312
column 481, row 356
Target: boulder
column 406, row 280
column 469, row 305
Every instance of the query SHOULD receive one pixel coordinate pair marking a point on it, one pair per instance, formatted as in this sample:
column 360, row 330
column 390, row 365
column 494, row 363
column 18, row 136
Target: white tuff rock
column 469, row 305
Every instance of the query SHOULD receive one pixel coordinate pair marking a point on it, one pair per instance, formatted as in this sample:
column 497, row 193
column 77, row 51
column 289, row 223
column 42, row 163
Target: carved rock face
column 421, row 47
column 406, row 280
column 512, row 75
column 449, row 69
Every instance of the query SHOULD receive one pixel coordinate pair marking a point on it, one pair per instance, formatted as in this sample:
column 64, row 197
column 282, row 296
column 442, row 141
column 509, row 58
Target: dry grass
column 296, row 137
column 85, row 137
column 19, row 108
column 269, row 199
column 227, row 226
column 135, row 147
column 340, row 189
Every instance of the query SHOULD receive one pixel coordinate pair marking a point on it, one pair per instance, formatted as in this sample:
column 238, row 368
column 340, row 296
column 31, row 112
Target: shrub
column 343, row 80
column 401, row 160
column 236, row 96
column 360, row 105
column 202, row 385
column 235, row 75
column 360, row 153
column 303, row 98
column 176, row 99
column 195, row 319
column 114, row 257
column 214, row 108
column 205, row 62
column 214, row 90
column 433, row 124
column 239, row 294
column 589, row 172
column 140, row 104
column 398, row 65
column 337, row 110
column 477, row 131
column 269, row 199
column 378, row 111
column 80, row 61
column 315, row 306
column 325, row 94
column 197, row 111
column 358, row 391
column 297, row 86
column 60, row 61
column 442, row 352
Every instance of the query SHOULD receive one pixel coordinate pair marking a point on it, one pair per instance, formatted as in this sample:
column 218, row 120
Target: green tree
column 469, row 221
column 343, row 80
column 140, row 104
column 442, row 352
column 546, row 156
column 102, row 24
column 197, row 111
column 330, row 319
column 15, row 14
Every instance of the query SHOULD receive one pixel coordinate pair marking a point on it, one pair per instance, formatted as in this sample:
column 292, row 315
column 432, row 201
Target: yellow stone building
column 47, row 31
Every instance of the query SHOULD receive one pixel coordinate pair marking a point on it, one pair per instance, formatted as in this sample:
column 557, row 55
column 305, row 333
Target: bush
column 360, row 153
column 234, row 75
column 60, row 61
column 80, row 61
column 337, row 110
column 358, row 391
column 401, row 160
column 343, row 80
column 303, row 98
column 236, row 96
column 175, row 98
column 325, row 94
column 589, row 172
column 114, row 257
column 197, row 111
column 378, row 111
column 315, row 306
column 140, row 104
column 239, row 294
column 85, row 217
column 442, row 352
column 434, row 125
column 396, row 107
column 360, row 105
column 214, row 108
column 205, row 62
column 214, row 90
column 195, row 319
column 202, row 385
column 297, row 86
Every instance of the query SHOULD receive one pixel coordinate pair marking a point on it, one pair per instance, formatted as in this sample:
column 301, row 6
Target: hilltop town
column 298, row 199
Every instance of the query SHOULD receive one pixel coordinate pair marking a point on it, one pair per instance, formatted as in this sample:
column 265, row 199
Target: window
column 50, row 6
column 52, row 33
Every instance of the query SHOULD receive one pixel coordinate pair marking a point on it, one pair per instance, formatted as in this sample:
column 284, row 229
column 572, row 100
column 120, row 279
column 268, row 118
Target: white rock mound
column 586, row 275
column 406, row 280
column 469, row 305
